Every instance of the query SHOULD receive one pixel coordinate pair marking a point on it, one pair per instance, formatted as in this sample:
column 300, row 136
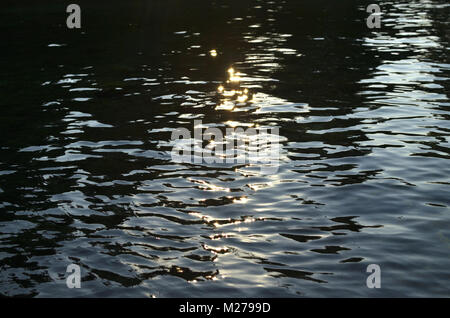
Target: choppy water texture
column 86, row 175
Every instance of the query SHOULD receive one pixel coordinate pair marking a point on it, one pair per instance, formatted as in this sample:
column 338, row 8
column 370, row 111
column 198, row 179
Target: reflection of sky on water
column 86, row 176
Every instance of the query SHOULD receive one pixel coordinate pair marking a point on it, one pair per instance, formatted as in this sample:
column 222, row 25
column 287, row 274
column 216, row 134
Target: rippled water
column 86, row 175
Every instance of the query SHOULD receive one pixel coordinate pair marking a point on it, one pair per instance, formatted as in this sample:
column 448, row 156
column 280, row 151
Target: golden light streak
column 213, row 53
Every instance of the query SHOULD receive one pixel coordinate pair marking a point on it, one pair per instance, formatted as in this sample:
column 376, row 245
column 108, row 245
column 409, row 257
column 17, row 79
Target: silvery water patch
column 254, row 146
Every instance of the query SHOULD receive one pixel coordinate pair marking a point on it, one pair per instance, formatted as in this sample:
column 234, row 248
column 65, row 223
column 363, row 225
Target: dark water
column 86, row 175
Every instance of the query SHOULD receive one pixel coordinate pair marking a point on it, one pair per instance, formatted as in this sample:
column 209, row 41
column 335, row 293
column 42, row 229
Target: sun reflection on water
column 232, row 93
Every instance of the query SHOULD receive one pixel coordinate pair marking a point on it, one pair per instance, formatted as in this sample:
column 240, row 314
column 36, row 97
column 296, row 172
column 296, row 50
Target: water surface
column 86, row 175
